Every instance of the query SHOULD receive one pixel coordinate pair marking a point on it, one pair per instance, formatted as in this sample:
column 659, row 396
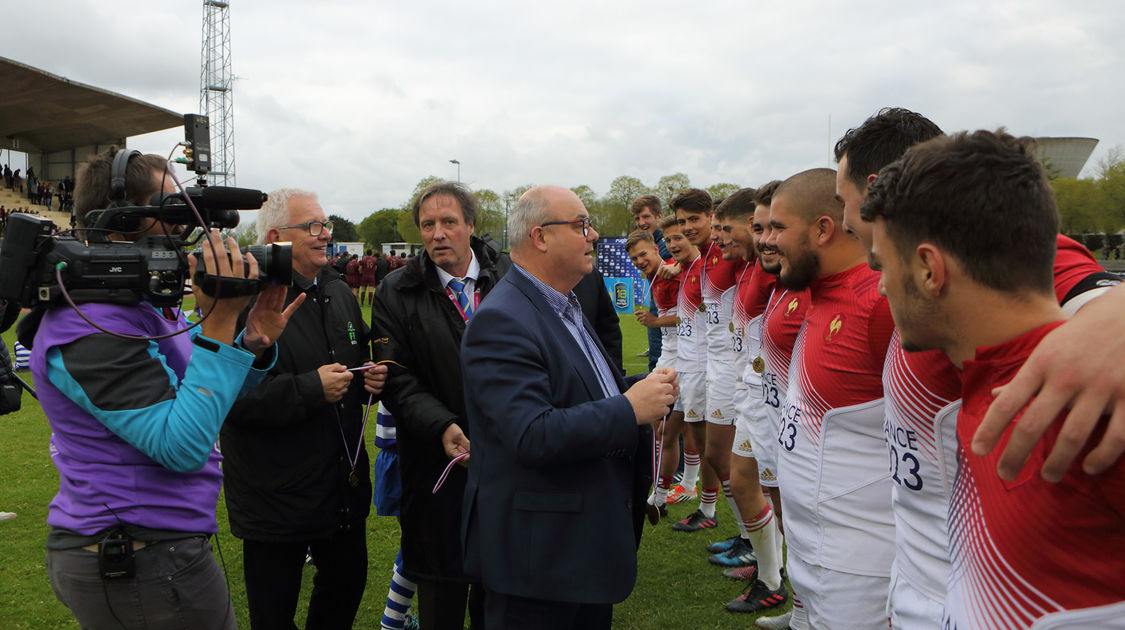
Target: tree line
column 609, row 212
column 1092, row 210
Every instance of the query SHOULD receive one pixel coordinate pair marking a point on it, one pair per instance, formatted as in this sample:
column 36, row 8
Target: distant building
column 1065, row 157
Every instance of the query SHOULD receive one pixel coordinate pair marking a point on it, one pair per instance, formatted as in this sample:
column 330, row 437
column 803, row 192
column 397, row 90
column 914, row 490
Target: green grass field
column 676, row 587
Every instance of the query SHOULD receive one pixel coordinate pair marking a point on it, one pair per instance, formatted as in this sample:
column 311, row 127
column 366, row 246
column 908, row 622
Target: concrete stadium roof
column 43, row 112
column 1065, row 157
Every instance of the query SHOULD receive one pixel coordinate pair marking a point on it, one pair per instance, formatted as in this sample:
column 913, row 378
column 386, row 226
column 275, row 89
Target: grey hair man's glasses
column 314, row 227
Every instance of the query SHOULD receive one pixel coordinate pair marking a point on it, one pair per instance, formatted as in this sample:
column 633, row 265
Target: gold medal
column 678, row 320
column 702, row 307
column 730, row 326
column 759, row 365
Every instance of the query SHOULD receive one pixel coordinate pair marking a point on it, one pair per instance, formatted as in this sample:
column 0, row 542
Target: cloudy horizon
column 359, row 101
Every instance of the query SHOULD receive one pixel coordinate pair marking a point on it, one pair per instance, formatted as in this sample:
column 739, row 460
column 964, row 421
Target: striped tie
column 457, row 285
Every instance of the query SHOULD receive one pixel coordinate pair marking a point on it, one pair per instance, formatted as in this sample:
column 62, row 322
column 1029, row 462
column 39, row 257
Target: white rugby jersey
column 923, row 391
column 718, row 281
column 691, row 347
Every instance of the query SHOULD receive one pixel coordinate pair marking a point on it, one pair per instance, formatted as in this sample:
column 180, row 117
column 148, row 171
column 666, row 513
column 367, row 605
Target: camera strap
column 225, row 286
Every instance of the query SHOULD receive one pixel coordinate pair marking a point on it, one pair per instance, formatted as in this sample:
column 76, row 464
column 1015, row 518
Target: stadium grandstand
column 58, row 123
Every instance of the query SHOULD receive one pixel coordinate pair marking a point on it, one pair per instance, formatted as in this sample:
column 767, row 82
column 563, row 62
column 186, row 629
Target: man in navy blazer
column 561, row 454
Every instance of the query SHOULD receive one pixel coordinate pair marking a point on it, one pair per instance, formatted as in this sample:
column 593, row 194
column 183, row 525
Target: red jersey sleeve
column 1073, row 263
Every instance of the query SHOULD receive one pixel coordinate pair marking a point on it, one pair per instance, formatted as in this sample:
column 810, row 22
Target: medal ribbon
column 448, row 469
column 354, row 459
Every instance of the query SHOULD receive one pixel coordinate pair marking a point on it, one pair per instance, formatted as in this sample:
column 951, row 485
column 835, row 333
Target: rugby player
column 710, row 414
column 643, row 252
column 691, row 354
column 964, row 229
column 758, row 529
column 922, row 389
column 832, row 466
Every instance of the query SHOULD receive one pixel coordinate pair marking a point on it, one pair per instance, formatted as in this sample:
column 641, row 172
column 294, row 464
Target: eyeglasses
column 314, row 227
column 586, row 223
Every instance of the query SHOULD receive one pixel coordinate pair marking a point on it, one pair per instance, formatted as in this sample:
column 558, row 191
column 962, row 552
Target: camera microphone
column 227, row 197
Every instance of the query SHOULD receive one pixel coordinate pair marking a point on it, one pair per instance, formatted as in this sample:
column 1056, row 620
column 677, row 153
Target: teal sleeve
column 179, row 422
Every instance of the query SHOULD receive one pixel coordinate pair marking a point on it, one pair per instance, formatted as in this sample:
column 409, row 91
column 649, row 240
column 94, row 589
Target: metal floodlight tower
column 216, row 90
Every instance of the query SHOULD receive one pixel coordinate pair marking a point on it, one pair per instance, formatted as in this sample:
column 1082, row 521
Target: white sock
column 733, row 506
column 661, row 495
column 762, row 530
column 691, row 470
column 707, row 501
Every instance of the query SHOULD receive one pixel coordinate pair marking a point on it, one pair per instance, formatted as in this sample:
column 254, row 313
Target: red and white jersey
column 832, row 466
column 923, row 392
column 718, row 278
column 1028, row 551
column 921, row 389
column 782, row 320
column 752, row 293
column 665, row 293
column 691, row 347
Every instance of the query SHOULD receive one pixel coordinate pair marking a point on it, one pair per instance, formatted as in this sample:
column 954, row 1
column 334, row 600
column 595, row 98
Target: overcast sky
column 360, row 100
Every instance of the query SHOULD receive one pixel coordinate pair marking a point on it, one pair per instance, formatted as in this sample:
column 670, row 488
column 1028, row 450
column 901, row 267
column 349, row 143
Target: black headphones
column 117, row 181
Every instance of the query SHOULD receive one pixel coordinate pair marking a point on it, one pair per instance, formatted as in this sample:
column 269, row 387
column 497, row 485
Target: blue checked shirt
column 570, row 312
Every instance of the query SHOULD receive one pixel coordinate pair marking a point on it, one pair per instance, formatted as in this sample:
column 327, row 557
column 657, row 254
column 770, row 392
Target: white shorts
column 834, row 599
column 742, row 446
column 909, row 607
column 764, row 439
column 755, row 426
column 693, row 395
column 720, row 394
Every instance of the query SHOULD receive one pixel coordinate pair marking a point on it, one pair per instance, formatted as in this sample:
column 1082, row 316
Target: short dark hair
column 638, row 236
column 668, row 222
column 458, row 191
column 93, row 188
column 693, row 200
column 981, row 196
column 651, row 202
column 738, row 205
column 882, row 139
column 765, row 193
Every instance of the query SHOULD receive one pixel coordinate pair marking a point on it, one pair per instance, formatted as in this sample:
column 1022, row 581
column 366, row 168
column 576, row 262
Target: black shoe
column 695, row 522
column 758, row 597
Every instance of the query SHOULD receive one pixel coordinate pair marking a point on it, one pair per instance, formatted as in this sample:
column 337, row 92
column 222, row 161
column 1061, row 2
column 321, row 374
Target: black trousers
column 508, row 612
column 273, row 580
column 441, row 605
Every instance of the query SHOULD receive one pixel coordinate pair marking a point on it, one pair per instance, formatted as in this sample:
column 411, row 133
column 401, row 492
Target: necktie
column 457, row 285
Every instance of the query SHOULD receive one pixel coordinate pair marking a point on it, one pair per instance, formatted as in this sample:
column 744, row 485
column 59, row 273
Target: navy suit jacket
column 558, row 473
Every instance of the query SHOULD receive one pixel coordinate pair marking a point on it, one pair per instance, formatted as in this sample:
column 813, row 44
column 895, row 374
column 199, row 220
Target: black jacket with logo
column 285, row 463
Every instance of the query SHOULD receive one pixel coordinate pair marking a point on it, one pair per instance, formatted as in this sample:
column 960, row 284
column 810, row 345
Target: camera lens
column 275, row 262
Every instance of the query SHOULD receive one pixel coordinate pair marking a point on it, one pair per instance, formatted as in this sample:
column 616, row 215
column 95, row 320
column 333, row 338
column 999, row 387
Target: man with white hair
column 296, row 472
column 560, row 464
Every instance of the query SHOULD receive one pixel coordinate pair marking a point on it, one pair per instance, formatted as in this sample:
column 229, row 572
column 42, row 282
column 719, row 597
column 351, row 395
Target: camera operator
column 134, row 423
